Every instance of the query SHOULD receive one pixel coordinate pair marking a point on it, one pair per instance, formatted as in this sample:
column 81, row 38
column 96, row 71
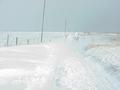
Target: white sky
column 82, row 15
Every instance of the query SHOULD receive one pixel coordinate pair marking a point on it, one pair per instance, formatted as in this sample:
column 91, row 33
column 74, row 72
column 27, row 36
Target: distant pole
column 65, row 27
column 28, row 42
column 43, row 21
column 16, row 41
column 8, row 40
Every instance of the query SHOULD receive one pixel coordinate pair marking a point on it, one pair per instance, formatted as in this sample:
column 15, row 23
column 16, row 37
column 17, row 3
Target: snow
column 108, row 56
column 81, row 62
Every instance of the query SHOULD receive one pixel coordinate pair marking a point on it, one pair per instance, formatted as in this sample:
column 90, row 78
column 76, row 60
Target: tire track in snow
column 91, row 77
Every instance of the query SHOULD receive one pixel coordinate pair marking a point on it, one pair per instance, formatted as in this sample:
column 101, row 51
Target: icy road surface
column 52, row 67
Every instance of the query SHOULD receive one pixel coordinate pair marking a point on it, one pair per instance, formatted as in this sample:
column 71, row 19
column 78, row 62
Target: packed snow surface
column 67, row 65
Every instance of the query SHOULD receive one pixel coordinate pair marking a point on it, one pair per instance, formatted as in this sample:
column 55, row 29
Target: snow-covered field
column 82, row 61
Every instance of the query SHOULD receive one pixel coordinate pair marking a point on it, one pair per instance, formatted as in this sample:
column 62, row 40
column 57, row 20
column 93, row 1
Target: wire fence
column 27, row 38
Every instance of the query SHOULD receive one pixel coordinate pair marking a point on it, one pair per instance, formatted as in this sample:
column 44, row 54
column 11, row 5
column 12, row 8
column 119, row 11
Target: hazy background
column 81, row 15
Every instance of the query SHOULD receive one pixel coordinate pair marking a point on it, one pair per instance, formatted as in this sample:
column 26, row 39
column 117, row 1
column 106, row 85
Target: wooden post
column 28, row 42
column 16, row 41
column 65, row 28
column 7, row 40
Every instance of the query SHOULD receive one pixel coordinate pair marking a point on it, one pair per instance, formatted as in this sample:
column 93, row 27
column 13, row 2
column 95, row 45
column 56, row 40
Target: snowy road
column 52, row 67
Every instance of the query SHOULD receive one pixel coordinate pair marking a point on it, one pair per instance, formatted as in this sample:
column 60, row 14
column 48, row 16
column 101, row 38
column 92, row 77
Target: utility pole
column 43, row 21
column 65, row 28
column 65, row 25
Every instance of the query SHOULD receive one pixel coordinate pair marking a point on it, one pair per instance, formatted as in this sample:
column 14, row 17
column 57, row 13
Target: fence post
column 28, row 41
column 7, row 40
column 16, row 41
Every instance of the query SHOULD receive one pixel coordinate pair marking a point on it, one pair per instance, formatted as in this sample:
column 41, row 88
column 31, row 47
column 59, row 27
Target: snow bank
column 108, row 56
column 25, row 67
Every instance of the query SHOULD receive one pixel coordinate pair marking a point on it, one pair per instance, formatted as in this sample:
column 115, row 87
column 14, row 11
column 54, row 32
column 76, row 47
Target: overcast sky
column 81, row 15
